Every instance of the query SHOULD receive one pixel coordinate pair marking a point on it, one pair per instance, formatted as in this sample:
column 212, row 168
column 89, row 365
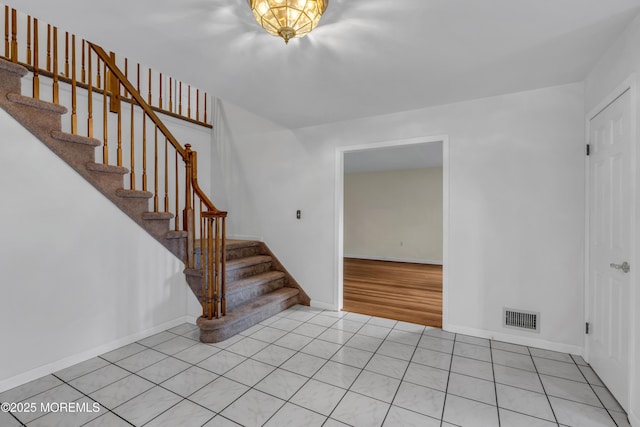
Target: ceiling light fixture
column 288, row 18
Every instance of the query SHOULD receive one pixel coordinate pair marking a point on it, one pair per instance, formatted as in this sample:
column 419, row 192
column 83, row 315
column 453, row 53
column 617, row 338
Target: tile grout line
column 594, row 392
column 446, row 391
column 543, row 387
column 495, row 386
column 401, row 379
column 359, row 373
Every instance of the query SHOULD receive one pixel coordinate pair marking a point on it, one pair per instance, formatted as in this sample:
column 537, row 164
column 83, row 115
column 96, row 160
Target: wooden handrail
column 139, row 99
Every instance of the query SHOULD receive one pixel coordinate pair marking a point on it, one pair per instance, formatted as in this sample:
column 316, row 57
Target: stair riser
column 133, row 206
column 243, row 252
column 157, row 226
column 177, row 247
column 109, row 181
column 221, row 334
column 11, row 82
column 244, row 272
column 252, row 292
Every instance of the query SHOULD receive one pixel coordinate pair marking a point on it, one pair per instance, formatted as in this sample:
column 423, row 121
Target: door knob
column 625, row 267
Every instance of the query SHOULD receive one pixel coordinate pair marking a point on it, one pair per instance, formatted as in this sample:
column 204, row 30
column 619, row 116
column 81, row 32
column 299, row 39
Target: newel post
column 187, row 214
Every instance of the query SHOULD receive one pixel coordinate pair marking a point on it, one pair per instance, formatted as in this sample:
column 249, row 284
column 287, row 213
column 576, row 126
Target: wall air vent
column 521, row 319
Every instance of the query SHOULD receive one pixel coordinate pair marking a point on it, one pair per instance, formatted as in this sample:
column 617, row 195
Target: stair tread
column 134, row 194
column 157, row 215
column 76, row 139
column 13, row 68
column 176, row 234
column 237, row 244
column 101, row 167
column 248, row 308
column 234, row 244
column 247, row 261
column 257, row 279
column 36, row 103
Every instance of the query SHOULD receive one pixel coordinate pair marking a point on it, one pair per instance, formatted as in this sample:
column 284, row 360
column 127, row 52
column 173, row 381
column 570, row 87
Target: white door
column 610, row 245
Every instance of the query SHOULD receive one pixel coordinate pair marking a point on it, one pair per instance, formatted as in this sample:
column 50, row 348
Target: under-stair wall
column 72, row 287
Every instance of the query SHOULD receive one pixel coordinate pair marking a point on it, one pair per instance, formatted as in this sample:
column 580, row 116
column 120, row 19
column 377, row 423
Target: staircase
column 257, row 285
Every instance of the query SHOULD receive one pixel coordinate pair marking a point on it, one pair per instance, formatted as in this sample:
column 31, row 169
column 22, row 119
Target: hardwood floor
column 395, row 290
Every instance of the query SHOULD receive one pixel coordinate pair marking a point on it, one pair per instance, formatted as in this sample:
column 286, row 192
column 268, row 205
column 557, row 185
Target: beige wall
column 394, row 214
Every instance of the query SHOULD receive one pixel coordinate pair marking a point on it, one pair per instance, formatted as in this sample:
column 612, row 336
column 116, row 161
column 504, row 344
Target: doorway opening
column 392, row 232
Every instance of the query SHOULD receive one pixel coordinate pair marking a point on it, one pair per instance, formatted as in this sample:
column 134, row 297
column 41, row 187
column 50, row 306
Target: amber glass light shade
column 288, row 18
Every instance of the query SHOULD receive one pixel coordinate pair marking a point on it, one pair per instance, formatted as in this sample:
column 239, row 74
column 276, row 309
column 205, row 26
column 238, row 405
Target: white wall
column 394, row 214
column 621, row 61
column 78, row 276
column 516, row 203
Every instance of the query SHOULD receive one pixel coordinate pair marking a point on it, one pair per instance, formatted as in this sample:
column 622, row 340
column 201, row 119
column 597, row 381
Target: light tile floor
column 307, row 367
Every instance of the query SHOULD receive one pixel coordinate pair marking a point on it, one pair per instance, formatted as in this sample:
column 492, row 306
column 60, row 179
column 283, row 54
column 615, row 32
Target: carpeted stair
column 257, row 284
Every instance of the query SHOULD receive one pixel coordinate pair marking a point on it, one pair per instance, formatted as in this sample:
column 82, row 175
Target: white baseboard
column 517, row 339
column 245, row 237
column 323, row 305
column 191, row 319
column 86, row 355
column 381, row 258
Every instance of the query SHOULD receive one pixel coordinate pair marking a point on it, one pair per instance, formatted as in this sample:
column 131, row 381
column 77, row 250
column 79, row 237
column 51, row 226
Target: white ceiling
column 414, row 156
column 367, row 57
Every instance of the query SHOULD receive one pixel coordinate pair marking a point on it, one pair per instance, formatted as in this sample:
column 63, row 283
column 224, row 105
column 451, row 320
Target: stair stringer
column 44, row 121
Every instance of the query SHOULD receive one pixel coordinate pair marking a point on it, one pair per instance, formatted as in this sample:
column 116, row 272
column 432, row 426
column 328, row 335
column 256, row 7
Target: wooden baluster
column 160, row 97
column 74, row 116
column 105, row 124
column 49, row 47
column 206, row 296
column 171, row 94
column 155, row 174
column 7, row 51
column 180, row 100
column 186, row 215
column 28, row 40
column 177, row 220
column 198, row 104
column 66, row 54
column 189, row 101
column 98, row 78
column 223, row 267
column 144, row 142
column 14, row 36
column 166, row 174
column 192, row 220
column 116, row 87
column 204, row 120
column 202, row 234
column 144, row 151
column 55, row 66
column 89, row 94
column 36, row 76
column 132, row 175
column 211, row 274
column 217, row 269
column 83, row 76
column 149, row 86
